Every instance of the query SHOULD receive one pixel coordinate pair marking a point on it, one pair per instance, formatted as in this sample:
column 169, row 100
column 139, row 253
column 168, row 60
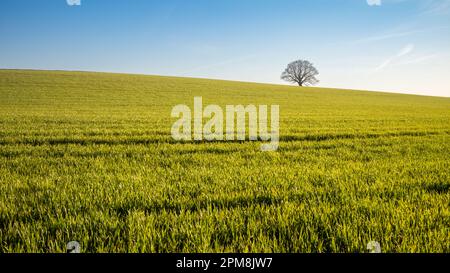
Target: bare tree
column 301, row 72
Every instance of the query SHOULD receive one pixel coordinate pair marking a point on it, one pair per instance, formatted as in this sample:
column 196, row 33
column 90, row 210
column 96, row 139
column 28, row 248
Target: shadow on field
column 161, row 139
column 220, row 204
column 439, row 187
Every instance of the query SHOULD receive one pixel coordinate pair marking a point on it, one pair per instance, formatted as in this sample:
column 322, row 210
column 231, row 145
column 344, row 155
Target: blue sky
column 390, row 45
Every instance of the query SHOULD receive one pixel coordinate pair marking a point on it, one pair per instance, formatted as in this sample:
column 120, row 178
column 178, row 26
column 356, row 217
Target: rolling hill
column 89, row 157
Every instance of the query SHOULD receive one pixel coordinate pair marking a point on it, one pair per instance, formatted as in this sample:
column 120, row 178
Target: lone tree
column 301, row 72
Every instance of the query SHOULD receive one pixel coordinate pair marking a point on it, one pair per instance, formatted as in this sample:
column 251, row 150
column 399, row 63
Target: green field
column 89, row 157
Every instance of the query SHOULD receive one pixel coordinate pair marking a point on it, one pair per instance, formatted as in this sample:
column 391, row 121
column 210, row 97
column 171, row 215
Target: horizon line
column 218, row 79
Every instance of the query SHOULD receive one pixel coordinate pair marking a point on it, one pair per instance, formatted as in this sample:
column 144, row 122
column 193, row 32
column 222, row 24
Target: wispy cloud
column 421, row 59
column 406, row 50
column 403, row 52
column 73, row 2
column 386, row 36
column 374, row 2
column 397, row 34
column 435, row 7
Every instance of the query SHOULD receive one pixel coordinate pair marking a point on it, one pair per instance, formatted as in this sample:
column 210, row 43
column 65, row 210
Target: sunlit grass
column 89, row 157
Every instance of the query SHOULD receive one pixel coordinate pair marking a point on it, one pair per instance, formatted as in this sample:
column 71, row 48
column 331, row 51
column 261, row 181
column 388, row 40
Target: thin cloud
column 406, row 50
column 421, row 59
column 374, row 2
column 384, row 64
column 386, row 36
column 397, row 34
column 435, row 7
column 403, row 52
column 73, row 2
